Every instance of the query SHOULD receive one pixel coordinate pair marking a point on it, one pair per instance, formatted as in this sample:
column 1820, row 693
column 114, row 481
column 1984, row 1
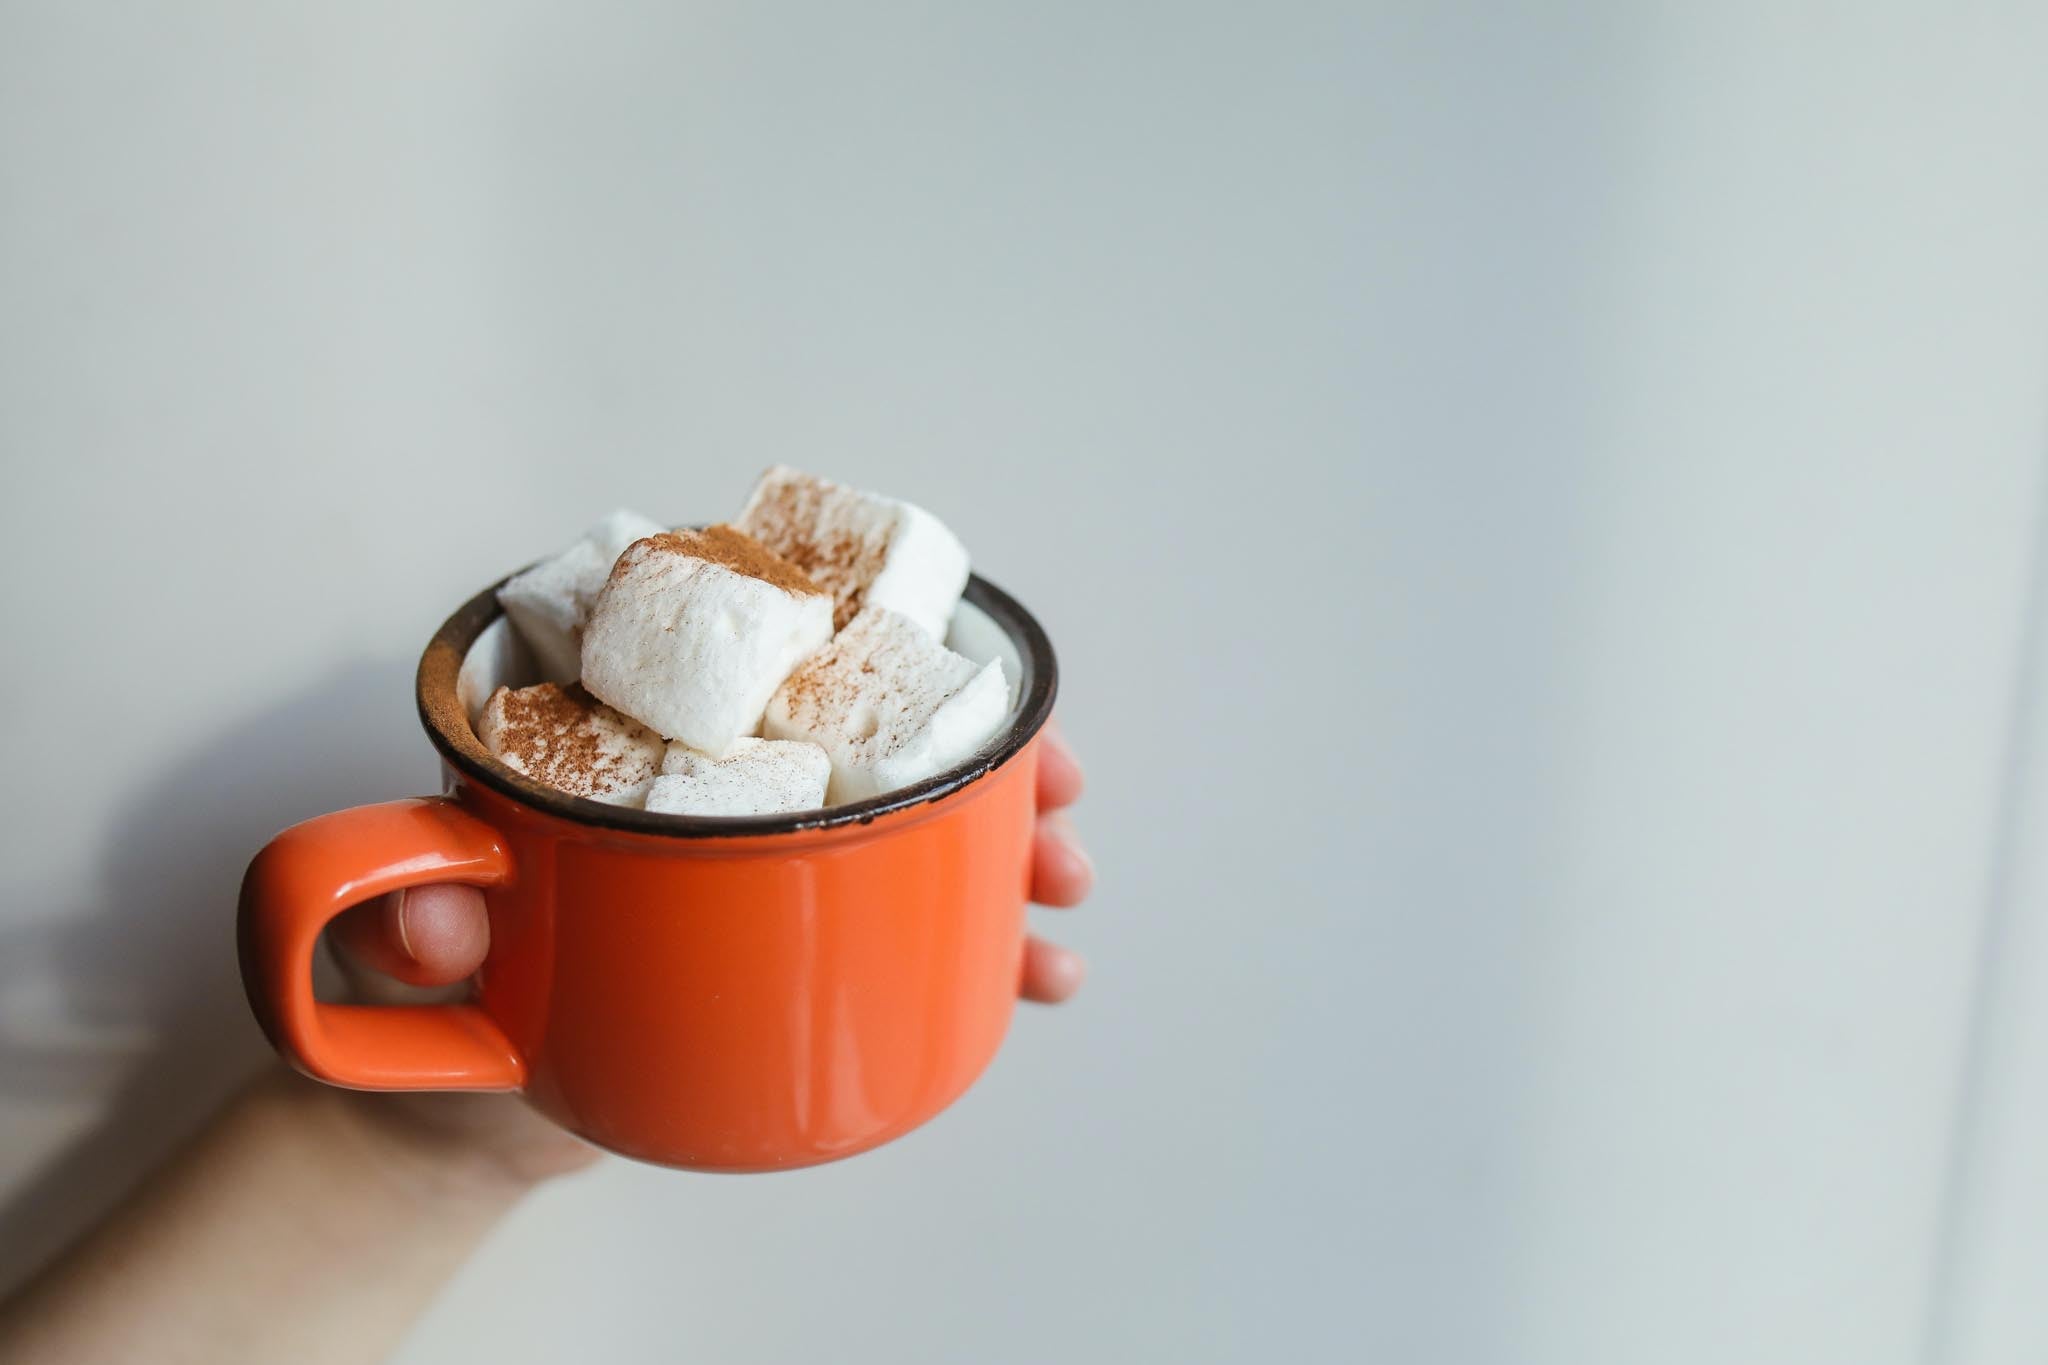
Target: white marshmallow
column 695, row 631
column 759, row 777
column 568, row 739
column 866, row 550
column 889, row 704
column 550, row 601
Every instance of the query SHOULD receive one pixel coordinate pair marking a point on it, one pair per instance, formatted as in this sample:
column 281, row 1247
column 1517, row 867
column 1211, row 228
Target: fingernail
column 1070, row 839
column 398, row 923
column 1070, row 974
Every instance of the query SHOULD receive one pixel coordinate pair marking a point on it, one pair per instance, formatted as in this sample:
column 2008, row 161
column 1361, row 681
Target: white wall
column 1539, row 516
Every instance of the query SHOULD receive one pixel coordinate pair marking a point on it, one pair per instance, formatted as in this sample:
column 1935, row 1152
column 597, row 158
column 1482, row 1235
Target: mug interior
column 476, row 651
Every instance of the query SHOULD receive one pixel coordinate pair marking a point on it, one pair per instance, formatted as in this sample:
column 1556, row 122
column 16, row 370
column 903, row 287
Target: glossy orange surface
column 731, row 1004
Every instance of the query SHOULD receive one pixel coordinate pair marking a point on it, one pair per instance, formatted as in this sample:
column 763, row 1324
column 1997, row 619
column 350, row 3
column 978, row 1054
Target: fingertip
column 421, row 936
column 1061, row 872
column 1060, row 780
column 442, row 931
column 1051, row 973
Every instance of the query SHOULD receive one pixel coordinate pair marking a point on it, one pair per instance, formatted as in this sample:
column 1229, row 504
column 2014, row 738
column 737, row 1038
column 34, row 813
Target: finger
column 1061, row 873
column 1059, row 772
column 1051, row 973
column 423, row 935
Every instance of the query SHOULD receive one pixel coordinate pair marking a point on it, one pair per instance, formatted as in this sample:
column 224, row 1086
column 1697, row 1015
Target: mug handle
column 312, row 872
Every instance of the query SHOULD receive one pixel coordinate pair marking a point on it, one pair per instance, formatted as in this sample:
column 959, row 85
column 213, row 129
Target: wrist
column 389, row 1146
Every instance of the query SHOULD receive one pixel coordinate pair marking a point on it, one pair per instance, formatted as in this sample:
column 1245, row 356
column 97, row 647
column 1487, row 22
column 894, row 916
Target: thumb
column 422, row 936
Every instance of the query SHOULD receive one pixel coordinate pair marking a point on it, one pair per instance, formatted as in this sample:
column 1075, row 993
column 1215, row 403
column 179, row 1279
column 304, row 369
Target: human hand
column 422, row 944
column 1061, row 875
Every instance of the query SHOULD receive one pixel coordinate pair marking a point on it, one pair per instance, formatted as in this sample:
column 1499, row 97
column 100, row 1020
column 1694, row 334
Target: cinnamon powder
column 786, row 522
column 557, row 735
column 731, row 548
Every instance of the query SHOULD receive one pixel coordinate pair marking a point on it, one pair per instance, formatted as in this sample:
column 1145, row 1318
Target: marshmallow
column 759, row 777
column 889, row 704
column 695, row 631
column 568, row 739
column 866, row 550
column 550, row 602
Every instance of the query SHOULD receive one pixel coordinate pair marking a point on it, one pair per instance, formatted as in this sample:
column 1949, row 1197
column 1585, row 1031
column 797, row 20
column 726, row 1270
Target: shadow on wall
column 132, row 999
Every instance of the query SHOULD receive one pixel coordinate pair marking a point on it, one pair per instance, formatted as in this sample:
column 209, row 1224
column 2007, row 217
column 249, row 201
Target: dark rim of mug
column 447, row 724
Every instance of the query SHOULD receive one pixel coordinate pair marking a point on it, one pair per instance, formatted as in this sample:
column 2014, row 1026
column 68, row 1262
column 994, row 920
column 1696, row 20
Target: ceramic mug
column 713, row 993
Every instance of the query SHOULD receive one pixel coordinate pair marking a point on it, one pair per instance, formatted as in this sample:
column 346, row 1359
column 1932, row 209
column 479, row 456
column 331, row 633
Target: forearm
column 295, row 1227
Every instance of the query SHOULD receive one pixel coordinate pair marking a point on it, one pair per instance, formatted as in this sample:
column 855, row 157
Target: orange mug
column 713, row 993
